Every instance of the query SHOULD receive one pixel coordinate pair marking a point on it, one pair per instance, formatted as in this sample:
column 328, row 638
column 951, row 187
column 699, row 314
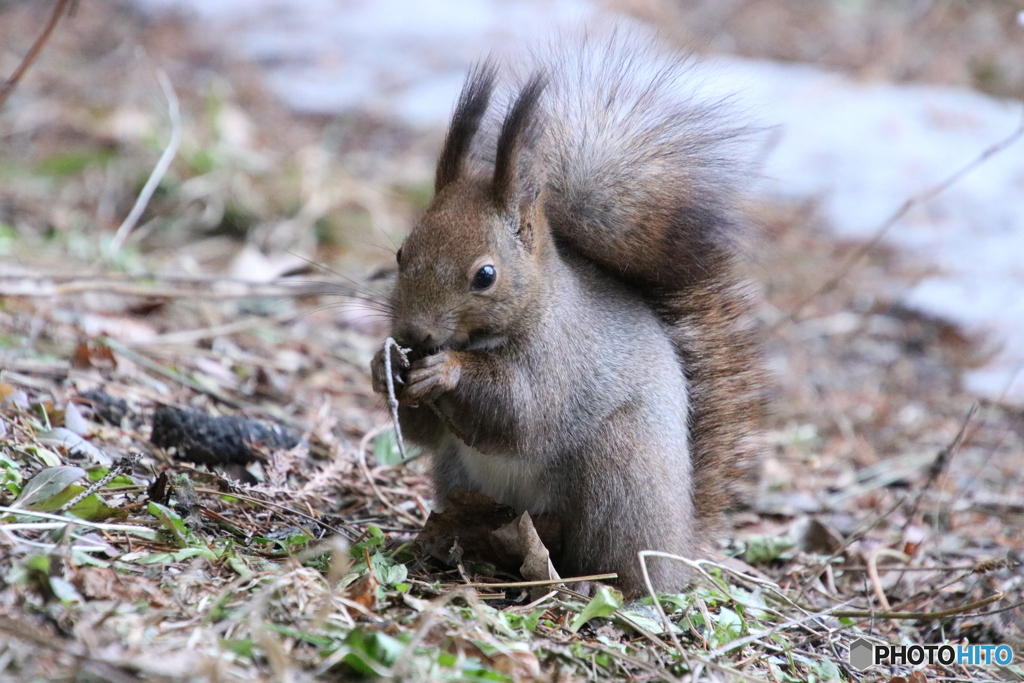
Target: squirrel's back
column 641, row 175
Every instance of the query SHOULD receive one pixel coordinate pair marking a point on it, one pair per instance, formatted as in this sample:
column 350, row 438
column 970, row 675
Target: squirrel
column 581, row 343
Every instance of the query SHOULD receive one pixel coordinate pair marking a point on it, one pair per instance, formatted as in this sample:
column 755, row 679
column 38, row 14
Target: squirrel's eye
column 398, row 256
column 484, row 278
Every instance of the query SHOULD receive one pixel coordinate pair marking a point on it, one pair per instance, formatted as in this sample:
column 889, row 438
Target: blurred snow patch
column 860, row 149
column 403, row 58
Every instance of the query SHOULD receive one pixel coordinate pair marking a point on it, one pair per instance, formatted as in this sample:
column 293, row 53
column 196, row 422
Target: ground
column 886, row 488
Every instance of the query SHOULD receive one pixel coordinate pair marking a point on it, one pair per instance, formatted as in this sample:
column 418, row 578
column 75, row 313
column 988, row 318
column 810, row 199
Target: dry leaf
column 363, row 591
column 518, row 541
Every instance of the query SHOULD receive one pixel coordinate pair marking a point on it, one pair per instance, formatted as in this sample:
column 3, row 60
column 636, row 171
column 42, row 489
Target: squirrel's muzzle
column 422, row 339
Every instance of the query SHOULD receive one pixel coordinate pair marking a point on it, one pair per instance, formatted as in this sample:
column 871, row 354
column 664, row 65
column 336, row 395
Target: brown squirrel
column 580, row 342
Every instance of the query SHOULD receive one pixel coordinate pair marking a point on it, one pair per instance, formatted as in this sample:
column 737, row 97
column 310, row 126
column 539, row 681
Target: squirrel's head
column 472, row 266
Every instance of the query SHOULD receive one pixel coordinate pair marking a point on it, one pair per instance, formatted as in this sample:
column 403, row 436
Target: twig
column 33, row 51
column 361, row 456
column 142, row 201
column 125, row 464
column 545, row 582
column 145, row 532
column 169, row 287
column 854, row 537
column 904, row 208
column 187, row 337
column 643, row 555
column 389, row 344
column 876, row 583
column 920, row 616
column 633, row 661
column 351, row 534
column 940, row 464
column 982, row 567
column 740, row 642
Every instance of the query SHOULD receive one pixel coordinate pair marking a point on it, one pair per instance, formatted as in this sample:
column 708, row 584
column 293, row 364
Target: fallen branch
column 918, row 616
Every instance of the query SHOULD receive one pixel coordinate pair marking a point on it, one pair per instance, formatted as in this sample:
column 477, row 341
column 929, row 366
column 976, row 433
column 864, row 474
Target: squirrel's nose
column 417, row 336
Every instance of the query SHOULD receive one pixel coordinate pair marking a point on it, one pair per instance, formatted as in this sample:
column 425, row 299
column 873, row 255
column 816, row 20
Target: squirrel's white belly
column 508, row 479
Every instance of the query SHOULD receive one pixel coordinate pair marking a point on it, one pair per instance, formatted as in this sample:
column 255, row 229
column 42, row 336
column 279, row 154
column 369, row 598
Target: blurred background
column 303, row 146
column 309, row 129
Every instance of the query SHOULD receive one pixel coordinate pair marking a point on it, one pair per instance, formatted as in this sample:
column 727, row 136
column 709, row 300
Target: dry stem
column 33, row 52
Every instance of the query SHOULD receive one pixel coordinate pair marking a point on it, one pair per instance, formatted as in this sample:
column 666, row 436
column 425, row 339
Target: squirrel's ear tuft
column 470, row 110
column 516, row 181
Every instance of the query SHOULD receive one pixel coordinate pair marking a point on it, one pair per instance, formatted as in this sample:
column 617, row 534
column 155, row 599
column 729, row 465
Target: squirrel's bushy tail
column 641, row 177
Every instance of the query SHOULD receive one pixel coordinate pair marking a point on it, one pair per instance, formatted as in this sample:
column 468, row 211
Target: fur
column 609, row 374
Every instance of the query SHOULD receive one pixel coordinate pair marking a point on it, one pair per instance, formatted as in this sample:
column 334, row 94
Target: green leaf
column 829, row 671
column 167, row 558
column 45, row 485
column 606, row 601
column 93, row 508
column 39, row 563
column 46, row 456
column 64, row 591
column 729, row 623
column 385, row 449
column 765, row 549
column 171, row 522
column 242, row 647
column 80, row 558
column 394, row 574
column 239, row 567
column 97, row 473
column 70, row 163
column 371, row 647
column 647, row 622
column 530, row 622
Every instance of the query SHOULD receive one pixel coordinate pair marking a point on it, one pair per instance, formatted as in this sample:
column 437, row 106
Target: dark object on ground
column 105, row 407
column 160, row 490
column 200, row 438
column 466, row 532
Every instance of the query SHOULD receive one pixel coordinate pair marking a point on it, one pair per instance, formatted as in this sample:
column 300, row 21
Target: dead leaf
column 104, row 583
column 65, row 438
column 88, row 355
column 814, row 536
column 518, row 541
column 913, row 537
column 467, row 521
column 363, row 591
column 516, row 660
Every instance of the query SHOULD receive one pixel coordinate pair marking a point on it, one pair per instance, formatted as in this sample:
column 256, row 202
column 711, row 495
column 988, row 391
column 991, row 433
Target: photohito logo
column 864, row 654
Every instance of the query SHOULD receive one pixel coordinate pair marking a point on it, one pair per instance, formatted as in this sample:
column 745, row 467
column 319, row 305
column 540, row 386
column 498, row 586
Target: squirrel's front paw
column 378, row 370
column 432, row 376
